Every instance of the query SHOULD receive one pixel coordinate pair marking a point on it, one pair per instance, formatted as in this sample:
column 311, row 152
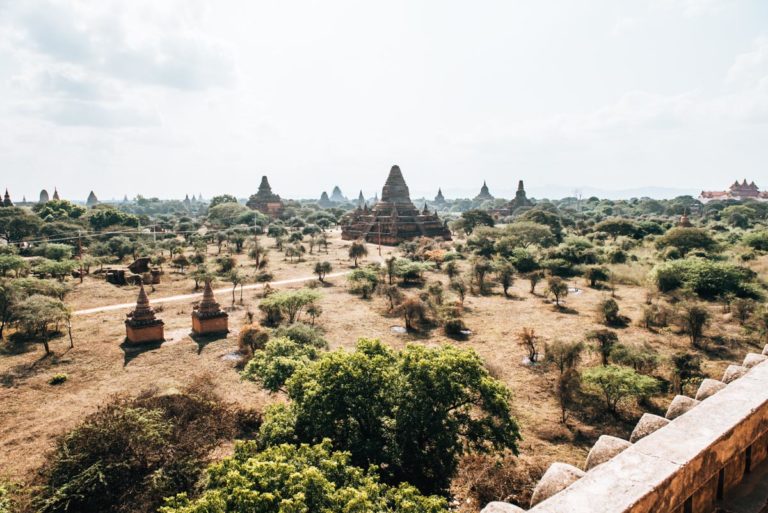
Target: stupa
column 92, row 200
column 337, row 196
column 142, row 325
column 439, row 199
column 325, row 201
column 394, row 218
column 56, row 194
column 208, row 317
column 520, row 198
column 44, row 198
column 266, row 201
column 484, row 194
column 7, row 200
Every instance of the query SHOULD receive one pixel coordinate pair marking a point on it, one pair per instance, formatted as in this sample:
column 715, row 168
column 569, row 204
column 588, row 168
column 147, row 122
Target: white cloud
column 751, row 67
column 624, row 25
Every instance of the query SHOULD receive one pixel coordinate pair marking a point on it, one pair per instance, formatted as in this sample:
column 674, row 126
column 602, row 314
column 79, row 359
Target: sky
column 172, row 97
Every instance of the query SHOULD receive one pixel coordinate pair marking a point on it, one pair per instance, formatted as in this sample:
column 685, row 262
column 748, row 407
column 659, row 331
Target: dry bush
column 251, row 339
column 482, row 478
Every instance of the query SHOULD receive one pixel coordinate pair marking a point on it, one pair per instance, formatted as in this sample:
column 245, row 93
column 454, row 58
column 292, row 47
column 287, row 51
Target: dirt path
column 185, row 297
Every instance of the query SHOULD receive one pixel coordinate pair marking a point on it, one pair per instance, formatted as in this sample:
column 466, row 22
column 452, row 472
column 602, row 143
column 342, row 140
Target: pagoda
column 266, row 201
column 142, row 325
column 56, row 194
column 337, row 196
column 208, row 318
column 361, row 199
column 92, row 200
column 44, row 198
column 325, row 201
column 439, row 199
column 7, row 200
column 394, row 219
column 484, row 194
column 520, row 200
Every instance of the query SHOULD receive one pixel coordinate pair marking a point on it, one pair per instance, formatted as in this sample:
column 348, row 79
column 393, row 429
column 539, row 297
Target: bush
column 706, row 278
column 305, row 478
column 643, row 359
column 618, row 384
column 608, row 313
column 303, row 334
column 252, row 338
column 131, row 453
column 57, row 379
column 757, row 240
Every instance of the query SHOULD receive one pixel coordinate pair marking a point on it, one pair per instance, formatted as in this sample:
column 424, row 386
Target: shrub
column 608, row 313
column 527, row 339
column 757, row 240
column 686, row 240
column 57, row 379
column 306, row 478
column 693, row 319
column 131, row 453
column 303, row 334
column 643, row 359
column 706, row 278
column 252, row 338
column 290, row 303
column 363, row 281
column 281, row 357
column 605, row 340
column 618, row 384
column 557, row 288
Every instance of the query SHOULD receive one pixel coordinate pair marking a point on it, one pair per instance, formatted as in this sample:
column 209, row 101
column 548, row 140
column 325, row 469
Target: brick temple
column 142, row 325
column 394, row 218
column 208, row 318
column 266, row 201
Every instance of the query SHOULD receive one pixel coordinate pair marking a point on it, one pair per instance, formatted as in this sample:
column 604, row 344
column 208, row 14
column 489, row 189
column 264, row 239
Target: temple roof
column 395, row 190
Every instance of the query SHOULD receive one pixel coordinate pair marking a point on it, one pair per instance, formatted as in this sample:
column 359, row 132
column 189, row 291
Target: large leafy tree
column 307, row 478
column 411, row 412
column 687, row 239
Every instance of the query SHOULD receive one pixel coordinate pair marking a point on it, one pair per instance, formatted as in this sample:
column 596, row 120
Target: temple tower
column 208, row 317
column 92, row 200
column 141, row 324
column 485, row 194
column 439, row 199
column 44, row 198
column 7, row 199
column 265, row 201
column 56, row 194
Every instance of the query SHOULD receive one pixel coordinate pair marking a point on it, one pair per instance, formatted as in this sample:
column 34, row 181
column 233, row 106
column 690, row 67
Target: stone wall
column 682, row 464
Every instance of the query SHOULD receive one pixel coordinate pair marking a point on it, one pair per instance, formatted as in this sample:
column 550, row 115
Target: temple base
column 210, row 325
column 143, row 334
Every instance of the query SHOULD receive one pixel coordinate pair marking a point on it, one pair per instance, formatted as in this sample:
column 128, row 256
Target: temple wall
column 219, row 324
column 685, row 466
column 138, row 335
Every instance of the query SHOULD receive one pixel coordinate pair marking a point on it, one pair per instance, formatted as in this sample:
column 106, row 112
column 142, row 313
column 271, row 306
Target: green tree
column 558, row 288
column 279, row 360
column 617, row 384
column 604, row 341
column 693, row 319
column 17, row 224
column 56, row 210
column 412, row 412
column 290, row 303
column 357, row 251
column 101, row 217
column 687, row 239
column 304, row 478
column 617, row 226
column 363, row 281
column 321, row 269
column 13, row 263
column 38, row 316
column 505, row 274
column 526, row 233
column 472, row 219
column 223, row 198
column 595, row 273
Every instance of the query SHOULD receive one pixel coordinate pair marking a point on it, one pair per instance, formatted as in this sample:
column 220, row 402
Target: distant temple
column 360, row 199
column 92, row 200
column 439, row 199
column 394, row 218
column 44, row 198
column 484, row 194
column 7, row 200
column 737, row 191
column 521, row 200
column 337, row 196
column 266, row 201
column 56, row 194
column 325, row 201
column 187, row 202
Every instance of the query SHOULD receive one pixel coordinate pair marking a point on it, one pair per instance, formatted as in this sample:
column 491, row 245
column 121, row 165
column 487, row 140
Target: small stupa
column 684, row 221
column 56, row 194
column 142, row 325
column 44, row 198
column 394, row 218
column 208, row 317
column 7, row 199
column 361, row 199
column 266, row 201
column 92, row 200
column 439, row 199
column 485, row 194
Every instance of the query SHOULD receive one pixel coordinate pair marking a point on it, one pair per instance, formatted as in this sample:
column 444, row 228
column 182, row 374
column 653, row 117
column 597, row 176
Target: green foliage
column 693, row 319
column 56, row 210
column 303, row 334
column 617, row 384
column 687, row 239
column 290, row 303
column 357, row 250
column 12, row 263
column 641, row 358
column 526, row 233
column 223, row 198
column 595, row 273
column 57, row 252
column 279, row 360
column 293, row 479
column 54, row 269
column 706, row 278
column 757, row 240
column 17, row 224
column 557, row 287
column 608, row 313
column 411, row 412
column 229, row 214
column 472, row 219
column 58, row 379
column 618, row 226
column 363, row 281
column 604, row 340
column 321, row 269
column 130, row 454
column 100, row 218
column 6, row 505
column 411, row 272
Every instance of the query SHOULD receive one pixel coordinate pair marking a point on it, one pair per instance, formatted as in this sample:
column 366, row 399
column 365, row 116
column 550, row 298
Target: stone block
column 647, row 424
column 501, row 507
column 604, row 449
column 680, row 405
column 557, row 477
column 708, row 388
column 753, row 359
column 143, row 334
column 733, row 372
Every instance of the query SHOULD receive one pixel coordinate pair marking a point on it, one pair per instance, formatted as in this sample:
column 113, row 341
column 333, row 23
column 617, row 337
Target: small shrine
column 208, row 317
column 141, row 324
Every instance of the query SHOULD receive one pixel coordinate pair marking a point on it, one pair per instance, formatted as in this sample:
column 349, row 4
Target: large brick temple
column 394, row 219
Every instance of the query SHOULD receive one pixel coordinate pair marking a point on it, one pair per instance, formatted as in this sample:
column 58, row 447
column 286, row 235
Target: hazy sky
column 164, row 98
